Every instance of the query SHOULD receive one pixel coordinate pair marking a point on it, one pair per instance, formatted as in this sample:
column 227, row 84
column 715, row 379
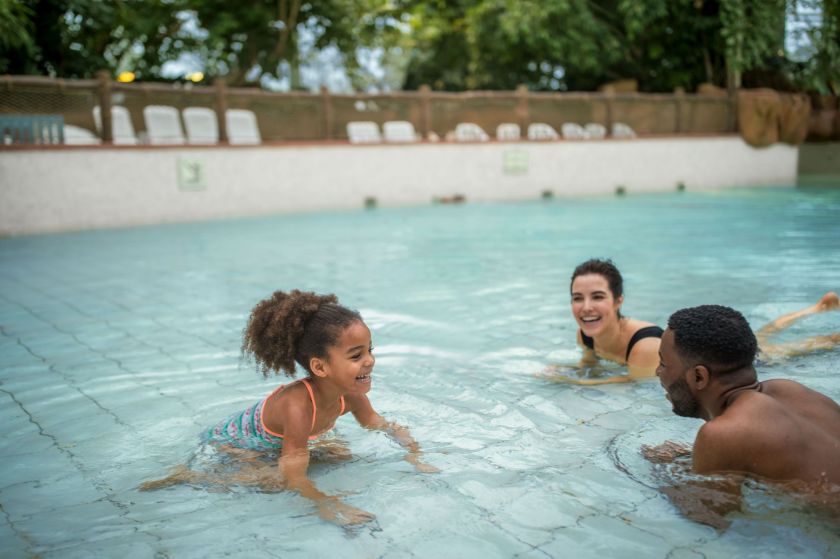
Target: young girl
column 333, row 345
column 597, row 291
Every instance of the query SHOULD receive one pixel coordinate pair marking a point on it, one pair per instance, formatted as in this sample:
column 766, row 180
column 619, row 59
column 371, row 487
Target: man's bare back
column 778, row 430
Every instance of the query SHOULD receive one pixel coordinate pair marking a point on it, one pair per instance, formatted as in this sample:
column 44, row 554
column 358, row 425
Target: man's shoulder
column 729, row 444
column 744, row 424
column 756, row 422
column 725, row 430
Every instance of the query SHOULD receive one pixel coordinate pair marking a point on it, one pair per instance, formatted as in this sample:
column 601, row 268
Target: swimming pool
column 119, row 346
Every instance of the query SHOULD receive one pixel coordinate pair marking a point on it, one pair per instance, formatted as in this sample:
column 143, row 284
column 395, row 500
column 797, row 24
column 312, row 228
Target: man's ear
column 318, row 366
column 699, row 377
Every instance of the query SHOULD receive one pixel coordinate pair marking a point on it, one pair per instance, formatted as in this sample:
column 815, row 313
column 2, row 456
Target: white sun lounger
column 595, row 131
column 78, row 136
column 121, row 127
column 399, row 131
column 508, row 132
column 622, row 130
column 363, row 132
column 542, row 131
column 573, row 131
column 242, row 128
column 201, row 125
column 163, row 125
column 470, row 132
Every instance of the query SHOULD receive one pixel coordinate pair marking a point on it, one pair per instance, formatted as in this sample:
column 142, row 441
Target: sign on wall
column 515, row 162
column 191, row 174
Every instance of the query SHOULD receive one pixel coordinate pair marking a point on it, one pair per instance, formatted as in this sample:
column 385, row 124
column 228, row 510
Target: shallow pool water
column 119, row 346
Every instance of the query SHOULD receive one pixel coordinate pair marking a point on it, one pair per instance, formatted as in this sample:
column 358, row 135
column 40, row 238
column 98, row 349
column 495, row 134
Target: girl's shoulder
column 293, row 397
column 289, row 411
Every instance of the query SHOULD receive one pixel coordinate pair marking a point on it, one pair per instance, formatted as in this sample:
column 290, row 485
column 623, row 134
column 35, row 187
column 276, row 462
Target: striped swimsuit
column 246, row 430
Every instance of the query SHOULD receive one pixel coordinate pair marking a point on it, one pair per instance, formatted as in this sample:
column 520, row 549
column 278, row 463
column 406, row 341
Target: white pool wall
column 55, row 190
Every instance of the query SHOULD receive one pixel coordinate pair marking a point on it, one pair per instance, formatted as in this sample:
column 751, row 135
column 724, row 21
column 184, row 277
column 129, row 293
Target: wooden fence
column 305, row 116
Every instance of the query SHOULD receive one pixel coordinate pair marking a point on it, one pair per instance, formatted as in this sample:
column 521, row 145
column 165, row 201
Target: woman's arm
column 369, row 419
column 643, row 359
column 560, row 379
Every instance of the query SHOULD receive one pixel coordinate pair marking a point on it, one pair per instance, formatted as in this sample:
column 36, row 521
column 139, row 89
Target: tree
column 76, row 38
column 817, row 66
column 581, row 44
column 448, row 44
column 242, row 41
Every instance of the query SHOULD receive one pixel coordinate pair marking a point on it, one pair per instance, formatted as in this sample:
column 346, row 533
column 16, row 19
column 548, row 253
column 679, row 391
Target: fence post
column 328, row 116
column 522, row 109
column 732, row 95
column 426, row 110
column 679, row 97
column 105, row 106
column 221, row 108
column 609, row 98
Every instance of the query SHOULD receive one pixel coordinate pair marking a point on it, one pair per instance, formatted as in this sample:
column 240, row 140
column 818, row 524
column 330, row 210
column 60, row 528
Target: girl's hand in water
column 342, row 514
column 666, row 452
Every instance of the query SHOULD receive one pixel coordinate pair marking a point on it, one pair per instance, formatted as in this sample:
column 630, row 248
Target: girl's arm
column 369, row 419
column 294, row 463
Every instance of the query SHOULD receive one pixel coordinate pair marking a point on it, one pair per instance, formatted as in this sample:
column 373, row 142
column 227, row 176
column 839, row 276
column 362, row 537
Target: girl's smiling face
column 350, row 361
column 593, row 304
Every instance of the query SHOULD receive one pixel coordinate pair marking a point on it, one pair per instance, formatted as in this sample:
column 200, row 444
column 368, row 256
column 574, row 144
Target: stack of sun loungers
column 393, row 131
column 164, row 126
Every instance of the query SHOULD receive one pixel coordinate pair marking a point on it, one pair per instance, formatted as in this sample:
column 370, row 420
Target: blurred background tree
column 548, row 45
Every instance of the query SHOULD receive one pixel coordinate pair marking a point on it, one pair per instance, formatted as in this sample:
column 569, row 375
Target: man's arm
column 705, row 500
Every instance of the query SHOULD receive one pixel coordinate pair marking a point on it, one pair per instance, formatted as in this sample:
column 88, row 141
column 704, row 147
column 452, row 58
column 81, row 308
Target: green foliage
column 566, row 44
column 820, row 72
column 15, row 24
column 448, row 44
column 76, row 38
column 753, row 31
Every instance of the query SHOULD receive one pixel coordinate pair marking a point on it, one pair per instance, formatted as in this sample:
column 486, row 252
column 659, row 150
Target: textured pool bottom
column 118, row 348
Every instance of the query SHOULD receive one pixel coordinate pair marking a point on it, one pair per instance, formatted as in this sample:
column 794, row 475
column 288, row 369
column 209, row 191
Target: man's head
column 702, row 344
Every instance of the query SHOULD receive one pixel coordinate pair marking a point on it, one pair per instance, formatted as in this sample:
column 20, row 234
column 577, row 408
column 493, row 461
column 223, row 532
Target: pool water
column 118, row 347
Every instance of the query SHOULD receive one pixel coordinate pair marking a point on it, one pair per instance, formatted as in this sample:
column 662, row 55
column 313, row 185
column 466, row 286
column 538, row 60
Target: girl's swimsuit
column 246, row 429
column 641, row 333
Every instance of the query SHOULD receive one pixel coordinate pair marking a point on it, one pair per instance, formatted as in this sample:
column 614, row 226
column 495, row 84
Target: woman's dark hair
column 294, row 327
column 604, row 268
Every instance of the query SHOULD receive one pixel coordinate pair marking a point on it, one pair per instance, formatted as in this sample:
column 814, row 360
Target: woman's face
column 593, row 304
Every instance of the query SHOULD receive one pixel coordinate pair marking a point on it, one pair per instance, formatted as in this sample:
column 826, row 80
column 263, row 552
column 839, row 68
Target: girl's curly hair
column 294, row 327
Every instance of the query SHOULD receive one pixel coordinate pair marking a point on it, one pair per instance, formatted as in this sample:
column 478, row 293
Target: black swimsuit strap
column 587, row 341
column 641, row 334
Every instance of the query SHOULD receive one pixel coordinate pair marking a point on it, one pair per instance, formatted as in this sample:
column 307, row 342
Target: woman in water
column 597, row 291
